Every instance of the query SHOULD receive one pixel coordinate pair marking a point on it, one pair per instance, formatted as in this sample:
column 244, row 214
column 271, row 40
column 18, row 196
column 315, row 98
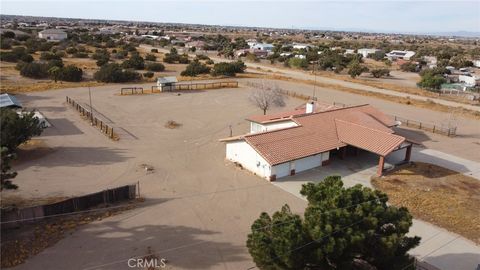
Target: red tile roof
column 361, row 126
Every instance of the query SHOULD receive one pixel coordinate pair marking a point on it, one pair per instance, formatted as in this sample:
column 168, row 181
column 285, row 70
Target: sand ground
column 198, row 207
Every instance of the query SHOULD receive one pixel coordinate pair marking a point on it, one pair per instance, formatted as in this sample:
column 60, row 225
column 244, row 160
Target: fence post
column 449, row 132
column 138, row 183
column 433, row 129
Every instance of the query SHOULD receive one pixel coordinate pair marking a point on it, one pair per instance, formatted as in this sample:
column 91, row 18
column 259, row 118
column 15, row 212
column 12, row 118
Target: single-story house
column 52, row 34
column 395, row 54
column 469, row 80
column 262, row 46
column 300, row 46
column 365, row 51
column 284, row 144
column 9, row 101
column 476, row 63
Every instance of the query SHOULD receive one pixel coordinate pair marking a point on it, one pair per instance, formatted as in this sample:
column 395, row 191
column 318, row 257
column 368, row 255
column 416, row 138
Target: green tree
column 71, row 73
column 380, row 72
column 34, row 70
column 155, row 67
column 54, row 72
column 114, row 73
column 150, row 57
column 16, row 129
column 228, row 68
column 298, row 62
column 195, row 68
column 356, row 69
column 342, row 228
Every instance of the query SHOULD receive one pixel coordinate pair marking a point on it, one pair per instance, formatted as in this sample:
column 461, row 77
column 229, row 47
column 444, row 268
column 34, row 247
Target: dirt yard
column 198, row 208
column 436, row 195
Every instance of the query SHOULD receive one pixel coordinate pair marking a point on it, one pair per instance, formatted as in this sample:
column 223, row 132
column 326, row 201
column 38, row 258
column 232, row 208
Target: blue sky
column 387, row 15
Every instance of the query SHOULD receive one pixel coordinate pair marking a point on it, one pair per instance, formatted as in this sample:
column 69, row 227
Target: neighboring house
column 349, row 51
column 262, row 46
column 431, row 61
column 52, row 34
column 476, row 63
column 301, row 56
column 199, row 44
column 257, row 53
column 284, row 144
column 9, row 101
column 365, row 51
column 395, row 54
column 300, row 46
column 470, row 81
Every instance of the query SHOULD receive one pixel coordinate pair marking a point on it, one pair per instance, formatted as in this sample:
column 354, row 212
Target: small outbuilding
column 166, row 83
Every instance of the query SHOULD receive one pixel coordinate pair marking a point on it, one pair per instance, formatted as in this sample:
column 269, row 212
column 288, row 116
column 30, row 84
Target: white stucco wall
column 299, row 165
column 256, row 127
column 53, row 37
column 243, row 153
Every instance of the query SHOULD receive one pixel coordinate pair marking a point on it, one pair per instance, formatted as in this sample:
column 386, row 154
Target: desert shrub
column 195, row 68
column 298, row 62
column 5, row 43
column 155, row 67
column 154, row 50
column 60, row 54
column 148, row 74
column 44, row 46
column 409, row 67
column 80, row 55
column 209, row 62
column 380, row 72
column 202, row 57
column 114, row 73
column 228, row 69
column 17, row 53
column 55, row 63
column 150, row 57
column 183, row 59
column 46, row 56
column 135, row 62
column 71, row 50
column 71, row 73
column 101, row 54
column 34, row 70
column 101, row 62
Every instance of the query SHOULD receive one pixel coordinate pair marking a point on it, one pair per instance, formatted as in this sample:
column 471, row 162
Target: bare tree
column 265, row 98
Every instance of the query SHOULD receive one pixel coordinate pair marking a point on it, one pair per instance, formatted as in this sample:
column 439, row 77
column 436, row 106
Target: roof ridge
column 333, row 110
column 271, row 131
column 374, row 129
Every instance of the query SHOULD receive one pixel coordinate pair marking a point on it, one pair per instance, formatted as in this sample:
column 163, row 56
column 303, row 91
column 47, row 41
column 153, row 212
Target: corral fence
column 448, row 131
column 195, row 86
column 104, row 128
column 15, row 217
column 178, row 87
column 131, row 90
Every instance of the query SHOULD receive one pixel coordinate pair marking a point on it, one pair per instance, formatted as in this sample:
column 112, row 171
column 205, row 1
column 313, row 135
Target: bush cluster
column 228, row 68
column 114, row 73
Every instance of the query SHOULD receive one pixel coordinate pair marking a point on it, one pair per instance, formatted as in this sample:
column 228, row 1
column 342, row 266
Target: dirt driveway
column 198, row 208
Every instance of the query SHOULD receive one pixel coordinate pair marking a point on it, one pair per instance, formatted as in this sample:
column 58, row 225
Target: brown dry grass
column 429, row 104
column 435, row 194
column 12, row 87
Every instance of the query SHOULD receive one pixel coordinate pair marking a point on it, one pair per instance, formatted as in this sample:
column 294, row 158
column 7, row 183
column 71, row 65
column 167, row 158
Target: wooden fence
column 132, row 90
column 178, row 87
column 104, row 128
column 450, row 131
column 15, row 217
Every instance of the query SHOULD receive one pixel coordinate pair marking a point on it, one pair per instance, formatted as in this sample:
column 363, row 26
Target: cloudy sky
column 386, row 15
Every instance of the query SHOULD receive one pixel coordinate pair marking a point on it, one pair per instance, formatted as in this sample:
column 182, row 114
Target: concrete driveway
column 439, row 247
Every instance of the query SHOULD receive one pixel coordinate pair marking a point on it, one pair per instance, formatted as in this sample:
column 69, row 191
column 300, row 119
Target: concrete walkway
column 439, row 247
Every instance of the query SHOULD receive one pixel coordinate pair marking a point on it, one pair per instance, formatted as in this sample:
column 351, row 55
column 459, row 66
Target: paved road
column 357, row 86
column 438, row 247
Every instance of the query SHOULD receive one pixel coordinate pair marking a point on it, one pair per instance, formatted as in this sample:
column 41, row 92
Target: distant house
column 300, row 46
column 53, row 34
column 404, row 55
column 9, row 101
column 349, row 51
column 365, row 51
column 469, row 81
column 199, row 44
column 476, row 63
column 263, row 47
column 286, row 143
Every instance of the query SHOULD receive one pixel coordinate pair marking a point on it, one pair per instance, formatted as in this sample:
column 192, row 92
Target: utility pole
column 91, row 110
column 314, row 82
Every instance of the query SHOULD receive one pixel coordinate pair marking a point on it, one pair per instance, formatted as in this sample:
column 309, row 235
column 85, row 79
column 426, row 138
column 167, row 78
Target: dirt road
column 296, row 74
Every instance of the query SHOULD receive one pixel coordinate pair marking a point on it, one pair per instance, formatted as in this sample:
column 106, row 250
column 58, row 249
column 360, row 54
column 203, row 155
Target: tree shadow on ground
column 110, row 243
column 61, row 127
